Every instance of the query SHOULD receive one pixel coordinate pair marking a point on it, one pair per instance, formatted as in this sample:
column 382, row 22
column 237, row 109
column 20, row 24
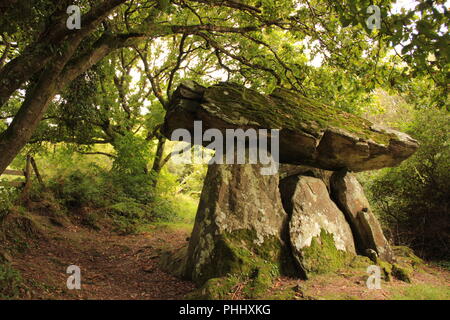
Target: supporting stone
column 239, row 225
column 349, row 195
column 321, row 238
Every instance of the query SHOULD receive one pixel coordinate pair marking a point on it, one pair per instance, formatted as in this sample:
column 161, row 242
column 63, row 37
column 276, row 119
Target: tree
column 55, row 58
column 260, row 43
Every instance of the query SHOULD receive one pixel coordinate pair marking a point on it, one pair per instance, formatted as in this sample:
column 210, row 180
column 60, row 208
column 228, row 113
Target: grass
column 421, row 292
column 186, row 208
column 337, row 296
column 187, row 227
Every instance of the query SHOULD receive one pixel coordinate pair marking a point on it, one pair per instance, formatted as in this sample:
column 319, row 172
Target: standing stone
column 239, row 224
column 321, row 238
column 349, row 195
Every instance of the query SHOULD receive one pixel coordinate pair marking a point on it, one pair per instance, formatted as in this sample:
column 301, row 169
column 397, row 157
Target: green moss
column 386, row 267
column 237, row 255
column 287, row 110
column 215, row 289
column 260, row 281
column 407, row 254
column 403, row 273
column 322, row 256
column 251, row 286
column 360, row 262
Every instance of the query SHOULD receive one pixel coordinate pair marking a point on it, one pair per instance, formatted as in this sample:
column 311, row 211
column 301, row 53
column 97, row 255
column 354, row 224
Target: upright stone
column 321, row 238
column 349, row 195
column 239, row 224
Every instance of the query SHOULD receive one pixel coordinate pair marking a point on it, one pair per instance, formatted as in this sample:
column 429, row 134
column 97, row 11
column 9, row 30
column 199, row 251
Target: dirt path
column 126, row 267
column 112, row 266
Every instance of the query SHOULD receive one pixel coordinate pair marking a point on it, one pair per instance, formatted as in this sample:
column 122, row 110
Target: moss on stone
column 360, row 262
column 402, row 272
column 236, row 255
column 249, row 286
column 286, row 110
column 386, row 267
column 260, row 281
column 407, row 255
column 322, row 256
column 215, row 289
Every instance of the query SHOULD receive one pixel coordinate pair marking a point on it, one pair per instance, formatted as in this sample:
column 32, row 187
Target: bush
column 7, row 198
column 10, row 282
column 412, row 199
column 78, row 189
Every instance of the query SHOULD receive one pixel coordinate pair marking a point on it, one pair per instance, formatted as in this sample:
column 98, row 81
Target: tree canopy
column 116, row 73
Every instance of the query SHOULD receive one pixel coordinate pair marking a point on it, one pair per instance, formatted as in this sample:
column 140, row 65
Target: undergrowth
column 10, row 282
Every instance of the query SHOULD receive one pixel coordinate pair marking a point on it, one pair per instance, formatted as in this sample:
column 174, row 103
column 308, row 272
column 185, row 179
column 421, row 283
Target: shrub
column 7, row 197
column 412, row 199
column 10, row 282
column 77, row 189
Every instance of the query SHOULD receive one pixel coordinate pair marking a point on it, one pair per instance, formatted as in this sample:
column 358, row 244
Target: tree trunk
column 37, row 55
column 37, row 100
column 158, row 163
column 52, row 80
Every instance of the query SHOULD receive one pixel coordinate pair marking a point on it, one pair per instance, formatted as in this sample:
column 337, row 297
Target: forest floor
column 112, row 266
column 126, row 267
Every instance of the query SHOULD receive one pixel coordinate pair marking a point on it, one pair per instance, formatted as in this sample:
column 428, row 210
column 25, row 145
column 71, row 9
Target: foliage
column 412, row 199
column 77, row 189
column 10, row 282
column 7, row 197
column 120, row 189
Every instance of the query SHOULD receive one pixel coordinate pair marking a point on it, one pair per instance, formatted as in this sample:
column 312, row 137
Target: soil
column 125, row 267
column 112, row 266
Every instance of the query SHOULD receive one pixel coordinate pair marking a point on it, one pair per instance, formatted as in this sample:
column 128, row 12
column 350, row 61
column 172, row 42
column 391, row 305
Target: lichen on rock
column 349, row 195
column 310, row 133
column 238, row 228
column 320, row 237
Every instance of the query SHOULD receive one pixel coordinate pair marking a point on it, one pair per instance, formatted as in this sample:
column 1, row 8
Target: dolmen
column 311, row 216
